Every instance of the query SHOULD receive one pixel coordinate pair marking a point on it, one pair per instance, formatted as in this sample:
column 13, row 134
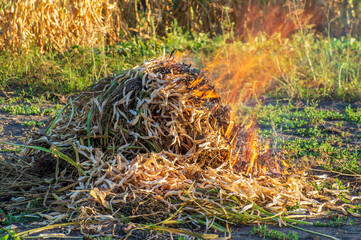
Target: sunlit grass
column 310, row 132
column 329, row 71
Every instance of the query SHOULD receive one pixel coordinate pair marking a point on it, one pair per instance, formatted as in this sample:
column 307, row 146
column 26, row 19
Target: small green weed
column 22, row 109
column 356, row 209
column 264, row 231
column 318, row 185
column 14, row 150
column 8, row 234
column 314, row 133
column 351, row 115
column 292, row 208
column 181, row 237
column 337, row 221
column 32, row 109
column 309, row 132
column 22, row 218
column 33, row 123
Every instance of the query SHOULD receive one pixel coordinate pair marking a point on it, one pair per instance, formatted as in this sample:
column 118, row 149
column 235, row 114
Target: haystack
column 135, row 131
column 163, row 107
column 156, row 142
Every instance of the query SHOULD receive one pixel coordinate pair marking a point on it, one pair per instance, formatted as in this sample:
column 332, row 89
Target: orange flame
column 240, row 72
column 251, row 159
column 244, row 70
column 203, row 91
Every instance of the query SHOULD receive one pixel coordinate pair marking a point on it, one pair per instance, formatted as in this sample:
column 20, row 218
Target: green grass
column 323, row 68
column 37, row 74
column 265, row 232
column 336, row 221
column 22, row 218
column 318, row 68
column 313, row 134
column 33, row 123
column 22, row 109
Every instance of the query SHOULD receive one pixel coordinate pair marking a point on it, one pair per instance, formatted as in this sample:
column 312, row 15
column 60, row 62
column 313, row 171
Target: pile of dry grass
column 156, row 144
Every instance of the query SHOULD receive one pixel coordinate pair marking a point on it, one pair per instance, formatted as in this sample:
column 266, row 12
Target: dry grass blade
column 53, row 151
column 37, row 230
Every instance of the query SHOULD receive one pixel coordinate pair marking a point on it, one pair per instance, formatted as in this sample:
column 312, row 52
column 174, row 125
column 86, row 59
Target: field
column 276, row 156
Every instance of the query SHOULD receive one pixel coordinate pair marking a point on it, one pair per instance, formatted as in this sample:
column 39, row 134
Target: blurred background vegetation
column 62, row 46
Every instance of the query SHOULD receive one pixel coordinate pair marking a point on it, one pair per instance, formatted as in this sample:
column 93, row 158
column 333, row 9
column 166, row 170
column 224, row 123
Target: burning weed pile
column 156, row 144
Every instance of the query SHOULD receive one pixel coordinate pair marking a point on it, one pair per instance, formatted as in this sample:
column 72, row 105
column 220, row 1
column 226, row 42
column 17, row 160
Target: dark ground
column 12, row 130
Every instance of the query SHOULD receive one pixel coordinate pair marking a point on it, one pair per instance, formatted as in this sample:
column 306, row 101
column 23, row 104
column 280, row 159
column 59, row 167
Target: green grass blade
column 40, row 229
column 272, row 215
column 214, row 226
column 66, row 158
column 51, row 125
column 88, row 124
column 153, row 145
column 317, row 233
column 52, row 150
column 72, row 112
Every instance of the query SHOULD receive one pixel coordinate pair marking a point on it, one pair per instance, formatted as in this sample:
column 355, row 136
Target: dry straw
column 56, row 24
column 61, row 24
column 151, row 144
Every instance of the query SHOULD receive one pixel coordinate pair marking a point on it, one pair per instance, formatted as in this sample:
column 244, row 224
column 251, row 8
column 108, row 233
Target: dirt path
column 346, row 232
column 13, row 129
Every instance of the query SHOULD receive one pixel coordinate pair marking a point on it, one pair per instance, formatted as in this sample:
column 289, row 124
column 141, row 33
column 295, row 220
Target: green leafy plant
column 264, row 231
column 33, row 123
column 336, row 221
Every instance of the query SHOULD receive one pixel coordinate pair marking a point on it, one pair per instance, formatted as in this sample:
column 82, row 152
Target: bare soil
column 13, row 130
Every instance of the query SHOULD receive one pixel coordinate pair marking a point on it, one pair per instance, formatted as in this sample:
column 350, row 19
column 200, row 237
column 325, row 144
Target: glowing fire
column 243, row 70
column 239, row 73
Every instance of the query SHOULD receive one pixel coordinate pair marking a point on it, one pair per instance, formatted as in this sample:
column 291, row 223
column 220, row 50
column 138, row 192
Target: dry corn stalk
column 57, row 24
column 60, row 24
